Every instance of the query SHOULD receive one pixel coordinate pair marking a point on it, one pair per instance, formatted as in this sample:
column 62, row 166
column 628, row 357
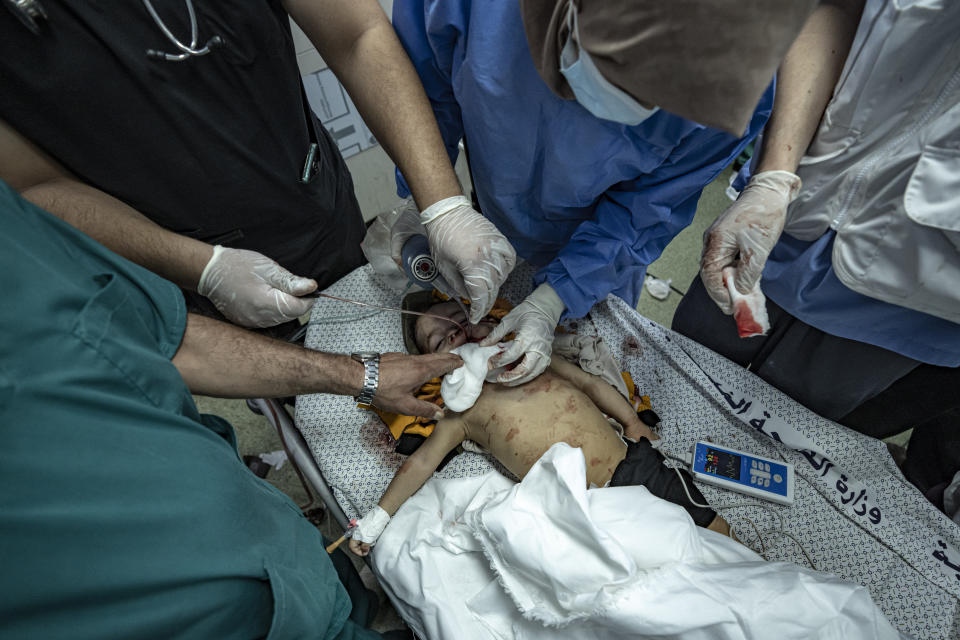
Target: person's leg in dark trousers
column 829, row 375
column 365, row 601
column 928, row 400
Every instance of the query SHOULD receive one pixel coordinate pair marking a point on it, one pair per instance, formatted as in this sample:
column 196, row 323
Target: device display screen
column 724, row 464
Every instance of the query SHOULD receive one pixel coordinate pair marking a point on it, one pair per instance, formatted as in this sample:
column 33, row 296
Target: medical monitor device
column 743, row 472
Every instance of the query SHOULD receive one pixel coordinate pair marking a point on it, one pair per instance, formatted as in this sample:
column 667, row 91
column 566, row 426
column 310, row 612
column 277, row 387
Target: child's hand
column 359, row 548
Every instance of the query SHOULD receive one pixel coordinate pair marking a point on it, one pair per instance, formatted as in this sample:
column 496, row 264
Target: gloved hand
column 471, row 254
column 252, row 290
column 535, row 319
column 744, row 235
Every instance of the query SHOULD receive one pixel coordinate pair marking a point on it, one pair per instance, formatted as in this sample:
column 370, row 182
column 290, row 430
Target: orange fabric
column 639, row 402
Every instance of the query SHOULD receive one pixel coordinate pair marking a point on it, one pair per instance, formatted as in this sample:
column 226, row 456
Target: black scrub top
column 211, row 147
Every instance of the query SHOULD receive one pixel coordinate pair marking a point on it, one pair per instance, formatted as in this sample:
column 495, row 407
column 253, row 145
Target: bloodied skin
column 563, row 404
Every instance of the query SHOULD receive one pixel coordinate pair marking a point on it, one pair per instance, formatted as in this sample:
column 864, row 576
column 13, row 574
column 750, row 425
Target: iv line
column 382, row 308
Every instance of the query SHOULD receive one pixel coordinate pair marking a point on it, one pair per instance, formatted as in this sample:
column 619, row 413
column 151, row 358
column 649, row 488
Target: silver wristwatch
column 371, row 376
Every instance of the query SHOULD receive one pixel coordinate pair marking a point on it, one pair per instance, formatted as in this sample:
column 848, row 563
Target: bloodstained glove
column 534, row 320
column 745, row 234
column 471, row 254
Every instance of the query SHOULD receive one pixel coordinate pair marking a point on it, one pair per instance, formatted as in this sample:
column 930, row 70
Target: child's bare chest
column 518, row 424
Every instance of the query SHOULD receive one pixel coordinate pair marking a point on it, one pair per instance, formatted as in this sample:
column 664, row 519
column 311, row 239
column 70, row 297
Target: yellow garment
column 640, row 403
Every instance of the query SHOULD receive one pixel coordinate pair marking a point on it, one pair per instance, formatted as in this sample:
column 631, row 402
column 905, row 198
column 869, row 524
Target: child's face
column 434, row 335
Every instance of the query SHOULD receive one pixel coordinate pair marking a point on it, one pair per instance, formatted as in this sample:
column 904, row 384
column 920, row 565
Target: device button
column 753, row 463
column 766, row 466
column 777, row 477
column 766, row 483
column 753, row 479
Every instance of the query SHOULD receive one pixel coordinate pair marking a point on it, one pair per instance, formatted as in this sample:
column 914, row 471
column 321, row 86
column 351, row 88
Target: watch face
column 364, row 355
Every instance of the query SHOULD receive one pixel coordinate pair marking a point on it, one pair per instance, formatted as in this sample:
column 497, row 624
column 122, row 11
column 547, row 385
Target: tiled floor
column 680, row 260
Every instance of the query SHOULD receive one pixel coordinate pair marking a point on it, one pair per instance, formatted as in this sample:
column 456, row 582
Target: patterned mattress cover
column 854, row 513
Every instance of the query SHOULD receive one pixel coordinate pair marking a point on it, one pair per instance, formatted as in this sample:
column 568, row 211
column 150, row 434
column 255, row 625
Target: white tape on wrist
column 441, row 207
column 370, row 526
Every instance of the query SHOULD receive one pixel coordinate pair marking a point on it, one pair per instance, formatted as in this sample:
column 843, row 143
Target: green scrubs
column 124, row 513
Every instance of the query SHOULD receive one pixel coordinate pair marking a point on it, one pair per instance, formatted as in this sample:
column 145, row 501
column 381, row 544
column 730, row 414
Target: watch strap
column 371, row 379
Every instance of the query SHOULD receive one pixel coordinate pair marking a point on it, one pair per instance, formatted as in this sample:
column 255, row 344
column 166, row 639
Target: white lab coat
column 884, row 167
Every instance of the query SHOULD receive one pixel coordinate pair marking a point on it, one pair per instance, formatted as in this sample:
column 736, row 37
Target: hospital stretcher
column 854, row 515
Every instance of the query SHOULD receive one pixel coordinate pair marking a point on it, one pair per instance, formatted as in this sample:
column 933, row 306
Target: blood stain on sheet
column 510, row 434
column 630, row 345
column 571, row 404
column 377, row 439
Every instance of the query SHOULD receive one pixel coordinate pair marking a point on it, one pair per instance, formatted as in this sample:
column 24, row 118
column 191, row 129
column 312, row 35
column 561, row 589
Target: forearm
column 419, row 467
column 122, row 229
column 221, row 360
column 612, row 403
column 411, row 475
column 805, row 83
column 382, row 82
column 603, row 395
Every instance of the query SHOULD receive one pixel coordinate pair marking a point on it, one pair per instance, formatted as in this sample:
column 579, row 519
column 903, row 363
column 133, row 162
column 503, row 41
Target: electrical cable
column 718, row 507
column 382, row 308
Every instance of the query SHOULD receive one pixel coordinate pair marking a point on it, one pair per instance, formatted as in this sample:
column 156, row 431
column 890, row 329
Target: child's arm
column 417, row 469
column 605, row 396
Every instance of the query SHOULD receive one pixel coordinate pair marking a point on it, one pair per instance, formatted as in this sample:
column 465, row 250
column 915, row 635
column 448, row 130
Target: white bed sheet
column 854, row 513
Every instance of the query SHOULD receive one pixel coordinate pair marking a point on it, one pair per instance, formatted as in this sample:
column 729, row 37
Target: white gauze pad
column 461, row 387
column 750, row 310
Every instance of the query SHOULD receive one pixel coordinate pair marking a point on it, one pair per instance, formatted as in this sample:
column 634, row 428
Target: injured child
column 517, row 425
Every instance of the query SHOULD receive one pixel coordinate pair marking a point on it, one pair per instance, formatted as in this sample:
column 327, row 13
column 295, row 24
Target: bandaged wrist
column 370, row 526
column 441, row 207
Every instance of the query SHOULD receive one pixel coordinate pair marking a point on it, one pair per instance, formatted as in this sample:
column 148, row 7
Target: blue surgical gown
column 589, row 201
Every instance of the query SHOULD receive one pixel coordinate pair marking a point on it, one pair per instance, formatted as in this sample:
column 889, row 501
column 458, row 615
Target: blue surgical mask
column 592, row 90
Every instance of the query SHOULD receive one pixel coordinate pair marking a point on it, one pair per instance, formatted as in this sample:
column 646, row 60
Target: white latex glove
column 471, row 254
column 744, row 235
column 252, row 290
column 535, row 320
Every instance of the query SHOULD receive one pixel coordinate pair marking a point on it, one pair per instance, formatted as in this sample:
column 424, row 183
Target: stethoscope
column 31, row 12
